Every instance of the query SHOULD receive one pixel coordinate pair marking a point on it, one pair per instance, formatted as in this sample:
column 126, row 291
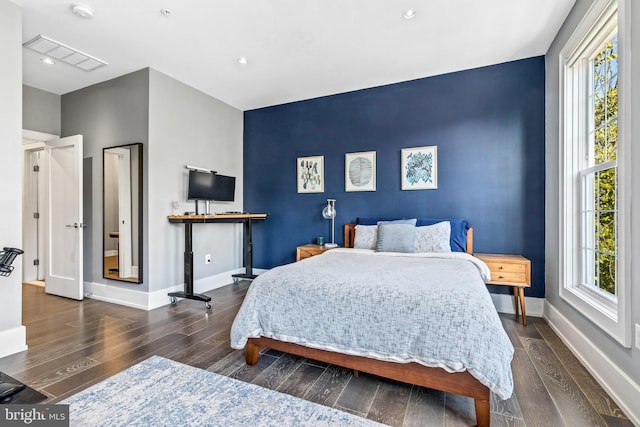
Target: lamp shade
column 329, row 212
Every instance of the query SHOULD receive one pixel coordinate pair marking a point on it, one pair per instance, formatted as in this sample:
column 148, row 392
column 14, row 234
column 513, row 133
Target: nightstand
column 510, row 270
column 310, row 250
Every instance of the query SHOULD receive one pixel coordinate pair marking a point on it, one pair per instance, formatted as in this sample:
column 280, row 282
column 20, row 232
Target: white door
column 63, row 225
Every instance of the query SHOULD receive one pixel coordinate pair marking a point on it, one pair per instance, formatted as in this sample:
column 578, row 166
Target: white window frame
column 611, row 314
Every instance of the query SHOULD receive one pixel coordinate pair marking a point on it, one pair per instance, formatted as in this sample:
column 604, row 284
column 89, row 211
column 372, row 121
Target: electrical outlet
column 638, row 336
column 207, row 259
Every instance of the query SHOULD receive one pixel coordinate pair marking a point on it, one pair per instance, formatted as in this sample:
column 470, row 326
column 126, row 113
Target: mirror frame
column 138, row 221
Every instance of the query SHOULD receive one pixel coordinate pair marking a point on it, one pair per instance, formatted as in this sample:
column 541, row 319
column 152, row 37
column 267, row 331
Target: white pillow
column 433, row 238
column 366, row 237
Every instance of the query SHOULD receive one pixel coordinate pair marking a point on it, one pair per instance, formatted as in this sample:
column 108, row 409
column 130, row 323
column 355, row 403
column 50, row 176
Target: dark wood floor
column 73, row 345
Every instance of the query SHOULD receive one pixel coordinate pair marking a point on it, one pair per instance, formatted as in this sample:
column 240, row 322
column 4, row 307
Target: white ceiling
column 296, row 49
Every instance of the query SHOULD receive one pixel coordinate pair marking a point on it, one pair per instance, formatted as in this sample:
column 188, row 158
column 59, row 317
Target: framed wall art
column 420, row 168
column 360, row 171
column 311, row 174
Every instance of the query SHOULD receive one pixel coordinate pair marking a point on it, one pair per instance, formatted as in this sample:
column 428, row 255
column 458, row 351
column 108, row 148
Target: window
column 592, row 213
column 599, row 172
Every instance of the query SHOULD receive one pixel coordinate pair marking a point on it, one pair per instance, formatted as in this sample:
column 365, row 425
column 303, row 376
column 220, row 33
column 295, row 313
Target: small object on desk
column 320, row 240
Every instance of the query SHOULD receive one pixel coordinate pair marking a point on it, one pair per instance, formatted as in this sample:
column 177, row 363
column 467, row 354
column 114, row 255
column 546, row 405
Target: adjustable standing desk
column 188, row 221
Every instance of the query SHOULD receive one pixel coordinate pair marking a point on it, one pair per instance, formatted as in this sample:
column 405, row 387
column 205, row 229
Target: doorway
column 53, row 213
column 33, row 202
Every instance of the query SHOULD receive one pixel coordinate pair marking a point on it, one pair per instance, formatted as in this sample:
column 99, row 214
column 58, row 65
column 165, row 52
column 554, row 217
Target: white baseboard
column 13, row 341
column 112, row 252
column 117, row 295
column 504, row 304
column 150, row 300
column 622, row 389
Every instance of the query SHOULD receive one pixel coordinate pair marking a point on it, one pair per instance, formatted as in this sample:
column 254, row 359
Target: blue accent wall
column 488, row 124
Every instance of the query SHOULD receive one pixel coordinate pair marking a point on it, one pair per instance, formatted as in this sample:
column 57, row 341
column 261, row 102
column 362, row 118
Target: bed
column 365, row 310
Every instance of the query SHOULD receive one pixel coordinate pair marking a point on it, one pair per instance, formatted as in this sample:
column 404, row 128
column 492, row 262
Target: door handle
column 75, row 225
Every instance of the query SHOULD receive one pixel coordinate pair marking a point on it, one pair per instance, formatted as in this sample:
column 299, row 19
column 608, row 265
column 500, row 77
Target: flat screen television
column 211, row 186
column 200, row 185
column 224, row 188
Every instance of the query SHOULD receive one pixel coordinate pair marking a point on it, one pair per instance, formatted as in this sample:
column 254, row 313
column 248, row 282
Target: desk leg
column 188, row 258
column 248, row 254
column 188, row 271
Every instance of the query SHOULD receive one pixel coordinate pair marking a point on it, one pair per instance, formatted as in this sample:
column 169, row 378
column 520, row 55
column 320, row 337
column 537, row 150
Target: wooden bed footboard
column 462, row 383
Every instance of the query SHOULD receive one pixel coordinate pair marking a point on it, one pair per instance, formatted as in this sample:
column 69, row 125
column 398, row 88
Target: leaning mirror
column 122, row 213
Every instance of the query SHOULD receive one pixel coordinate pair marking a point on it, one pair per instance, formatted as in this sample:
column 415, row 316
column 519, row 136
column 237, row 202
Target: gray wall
column 107, row 114
column 188, row 127
column 626, row 359
column 40, row 110
column 12, row 335
column 178, row 125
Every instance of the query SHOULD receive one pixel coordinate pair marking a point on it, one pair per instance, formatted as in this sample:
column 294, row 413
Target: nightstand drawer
column 511, row 270
column 310, row 250
column 305, row 253
column 503, row 276
column 507, row 267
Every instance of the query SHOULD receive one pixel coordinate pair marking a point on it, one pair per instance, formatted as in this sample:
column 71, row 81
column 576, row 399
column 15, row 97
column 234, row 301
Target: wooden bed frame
column 462, row 383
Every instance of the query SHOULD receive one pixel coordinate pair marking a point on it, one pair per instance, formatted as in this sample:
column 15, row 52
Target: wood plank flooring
column 75, row 344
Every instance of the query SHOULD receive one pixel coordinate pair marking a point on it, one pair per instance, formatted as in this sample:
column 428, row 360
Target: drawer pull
column 501, row 267
column 501, row 277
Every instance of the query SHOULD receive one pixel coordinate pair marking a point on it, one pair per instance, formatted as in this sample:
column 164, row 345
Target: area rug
column 161, row 392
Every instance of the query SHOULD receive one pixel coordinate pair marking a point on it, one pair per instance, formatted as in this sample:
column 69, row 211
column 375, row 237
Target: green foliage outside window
column 605, row 110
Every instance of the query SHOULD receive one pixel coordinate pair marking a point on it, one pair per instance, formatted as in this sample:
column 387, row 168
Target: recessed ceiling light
column 409, row 14
column 82, row 10
column 47, row 61
column 242, row 60
column 165, row 12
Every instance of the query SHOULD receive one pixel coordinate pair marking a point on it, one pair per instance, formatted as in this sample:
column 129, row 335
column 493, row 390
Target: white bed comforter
column 432, row 309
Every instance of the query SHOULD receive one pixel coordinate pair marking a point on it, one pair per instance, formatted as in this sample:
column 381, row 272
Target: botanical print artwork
column 311, row 174
column 360, row 171
column 419, row 168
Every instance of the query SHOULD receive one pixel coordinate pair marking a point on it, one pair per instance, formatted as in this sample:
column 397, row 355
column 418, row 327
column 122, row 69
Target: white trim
column 622, row 389
column 505, row 304
column 33, row 135
column 13, row 341
column 117, row 295
column 616, row 320
column 111, row 252
column 150, row 300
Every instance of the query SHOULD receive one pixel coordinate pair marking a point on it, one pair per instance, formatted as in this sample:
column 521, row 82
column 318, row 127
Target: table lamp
column 329, row 212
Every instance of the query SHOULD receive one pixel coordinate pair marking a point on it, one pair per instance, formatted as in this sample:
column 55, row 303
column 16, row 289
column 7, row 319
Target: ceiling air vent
column 56, row 50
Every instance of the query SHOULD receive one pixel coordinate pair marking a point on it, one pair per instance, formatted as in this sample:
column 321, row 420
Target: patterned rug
column 161, row 392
